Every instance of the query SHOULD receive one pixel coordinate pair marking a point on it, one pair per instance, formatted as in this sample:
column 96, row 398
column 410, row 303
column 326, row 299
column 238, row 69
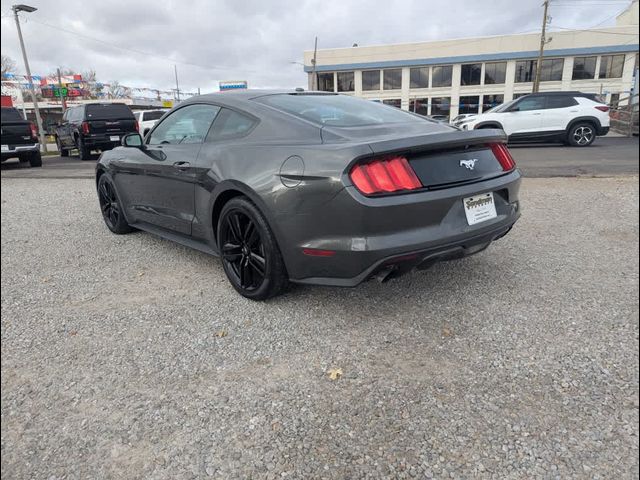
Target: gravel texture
column 132, row 357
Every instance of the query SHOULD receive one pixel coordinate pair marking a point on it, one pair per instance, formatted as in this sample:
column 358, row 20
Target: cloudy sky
column 137, row 42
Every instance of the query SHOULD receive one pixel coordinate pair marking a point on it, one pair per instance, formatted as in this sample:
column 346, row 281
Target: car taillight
column 391, row 174
column 34, row 130
column 137, row 126
column 85, row 127
column 602, row 108
column 503, row 155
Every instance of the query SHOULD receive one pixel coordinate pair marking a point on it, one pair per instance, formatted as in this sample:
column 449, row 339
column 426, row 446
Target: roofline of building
column 487, row 57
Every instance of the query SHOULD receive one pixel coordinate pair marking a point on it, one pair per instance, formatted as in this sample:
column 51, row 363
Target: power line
column 140, row 52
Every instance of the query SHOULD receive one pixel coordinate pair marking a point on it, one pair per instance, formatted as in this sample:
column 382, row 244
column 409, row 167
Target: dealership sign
column 233, row 85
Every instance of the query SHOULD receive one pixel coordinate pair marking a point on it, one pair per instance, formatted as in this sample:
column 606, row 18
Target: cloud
column 249, row 39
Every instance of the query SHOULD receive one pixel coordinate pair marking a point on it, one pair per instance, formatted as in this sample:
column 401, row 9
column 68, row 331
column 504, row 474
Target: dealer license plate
column 114, row 138
column 5, row 148
column 479, row 208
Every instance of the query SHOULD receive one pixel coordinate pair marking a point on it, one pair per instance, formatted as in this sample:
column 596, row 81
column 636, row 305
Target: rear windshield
column 338, row 110
column 100, row 111
column 11, row 115
column 155, row 115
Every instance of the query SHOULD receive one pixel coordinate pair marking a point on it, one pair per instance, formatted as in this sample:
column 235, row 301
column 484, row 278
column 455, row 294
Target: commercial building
column 473, row 74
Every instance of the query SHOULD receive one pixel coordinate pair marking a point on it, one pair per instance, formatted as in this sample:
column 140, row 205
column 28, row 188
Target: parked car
column 439, row 118
column 459, row 118
column 94, row 126
column 19, row 138
column 574, row 118
column 147, row 119
column 310, row 187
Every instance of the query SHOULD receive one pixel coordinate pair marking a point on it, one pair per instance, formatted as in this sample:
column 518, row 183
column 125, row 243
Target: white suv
column 570, row 117
column 147, row 119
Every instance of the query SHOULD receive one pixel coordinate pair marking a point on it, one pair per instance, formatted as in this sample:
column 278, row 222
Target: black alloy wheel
column 250, row 256
column 62, row 151
column 111, row 207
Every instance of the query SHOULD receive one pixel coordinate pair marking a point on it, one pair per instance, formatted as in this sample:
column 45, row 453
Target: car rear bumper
column 103, row 141
column 392, row 235
column 13, row 150
column 601, row 131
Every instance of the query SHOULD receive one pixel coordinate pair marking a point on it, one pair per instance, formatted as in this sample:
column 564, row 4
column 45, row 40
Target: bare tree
column 116, row 90
column 8, row 65
column 90, row 80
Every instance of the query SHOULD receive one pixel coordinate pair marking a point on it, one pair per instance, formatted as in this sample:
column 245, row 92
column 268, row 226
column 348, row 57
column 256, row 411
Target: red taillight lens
column 385, row 175
column 137, row 126
column 602, row 108
column 503, row 155
column 316, row 252
column 85, row 127
column 34, row 130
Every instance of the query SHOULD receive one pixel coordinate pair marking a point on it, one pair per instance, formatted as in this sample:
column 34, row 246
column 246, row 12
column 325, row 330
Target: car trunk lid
column 447, row 157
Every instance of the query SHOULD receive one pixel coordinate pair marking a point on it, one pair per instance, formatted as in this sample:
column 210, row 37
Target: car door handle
column 181, row 165
column 537, row 113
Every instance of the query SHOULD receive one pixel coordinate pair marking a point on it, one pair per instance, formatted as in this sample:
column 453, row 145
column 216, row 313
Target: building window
column 584, row 68
column 371, row 80
column 419, row 106
column 495, row 73
column 471, row 74
column 441, row 106
column 469, row 104
column 325, row 82
column 394, row 102
column 420, row 77
column 441, row 76
column 392, row 79
column 551, row 70
column 525, row 71
column 490, row 101
column 346, row 82
column 611, row 66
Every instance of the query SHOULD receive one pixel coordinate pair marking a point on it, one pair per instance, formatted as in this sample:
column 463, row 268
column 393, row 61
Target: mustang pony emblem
column 470, row 164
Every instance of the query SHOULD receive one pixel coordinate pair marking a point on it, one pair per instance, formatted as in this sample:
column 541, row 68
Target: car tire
column 582, row 134
column 83, row 152
column 111, row 206
column 249, row 252
column 63, row 151
column 35, row 159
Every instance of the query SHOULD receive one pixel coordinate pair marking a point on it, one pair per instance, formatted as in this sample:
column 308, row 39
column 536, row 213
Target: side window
column 560, row 102
column 526, row 104
column 230, row 124
column 188, row 124
column 138, row 116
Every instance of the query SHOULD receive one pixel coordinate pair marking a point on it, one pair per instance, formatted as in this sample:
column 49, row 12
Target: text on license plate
column 479, row 208
column 5, row 148
column 114, row 138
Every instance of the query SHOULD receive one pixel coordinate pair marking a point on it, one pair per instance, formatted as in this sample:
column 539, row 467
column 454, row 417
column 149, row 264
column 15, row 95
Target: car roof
column 568, row 93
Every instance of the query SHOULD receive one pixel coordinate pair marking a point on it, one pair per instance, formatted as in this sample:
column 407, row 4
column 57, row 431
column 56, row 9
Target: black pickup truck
column 94, row 126
column 19, row 138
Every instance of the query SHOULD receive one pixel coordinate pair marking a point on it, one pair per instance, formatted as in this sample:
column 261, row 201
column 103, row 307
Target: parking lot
column 132, row 357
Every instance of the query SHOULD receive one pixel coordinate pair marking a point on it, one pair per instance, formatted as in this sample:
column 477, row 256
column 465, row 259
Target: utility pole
column 314, row 80
column 62, row 99
column 175, row 69
column 543, row 40
column 28, row 9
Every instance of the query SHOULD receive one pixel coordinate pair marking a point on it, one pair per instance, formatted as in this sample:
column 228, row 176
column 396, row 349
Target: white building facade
column 473, row 74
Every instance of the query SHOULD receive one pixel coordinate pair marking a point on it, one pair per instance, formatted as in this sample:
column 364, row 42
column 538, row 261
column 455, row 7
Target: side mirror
column 132, row 140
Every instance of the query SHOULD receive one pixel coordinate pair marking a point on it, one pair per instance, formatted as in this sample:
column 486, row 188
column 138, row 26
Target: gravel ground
column 131, row 357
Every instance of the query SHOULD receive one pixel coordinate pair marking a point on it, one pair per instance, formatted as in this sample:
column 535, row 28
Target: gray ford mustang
column 310, row 187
